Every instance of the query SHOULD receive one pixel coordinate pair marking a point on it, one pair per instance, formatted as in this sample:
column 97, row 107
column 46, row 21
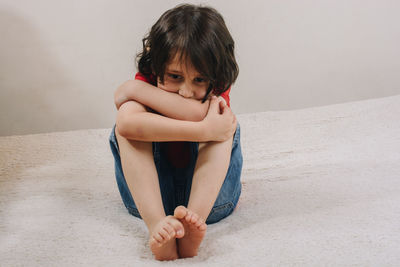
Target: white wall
column 60, row 61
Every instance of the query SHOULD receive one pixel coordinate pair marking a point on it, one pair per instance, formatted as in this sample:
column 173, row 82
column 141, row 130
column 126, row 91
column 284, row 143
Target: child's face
column 183, row 79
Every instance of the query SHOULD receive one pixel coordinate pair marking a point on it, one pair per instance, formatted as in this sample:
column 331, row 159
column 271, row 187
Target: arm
column 134, row 122
column 169, row 104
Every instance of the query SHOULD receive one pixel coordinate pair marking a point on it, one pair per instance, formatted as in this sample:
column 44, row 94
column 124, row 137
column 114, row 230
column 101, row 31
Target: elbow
column 129, row 120
column 121, row 125
column 125, row 126
column 124, row 93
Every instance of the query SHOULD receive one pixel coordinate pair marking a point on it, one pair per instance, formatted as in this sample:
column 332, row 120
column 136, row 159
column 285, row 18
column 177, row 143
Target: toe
column 188, row 216
column 178, row 228
column 180, row 212
column 198, row 222
column 170, row 230
column 201, row 224
column 164, row 234
column 203, row 227
column 158, row 238
column 153, row 241
column 194, row 218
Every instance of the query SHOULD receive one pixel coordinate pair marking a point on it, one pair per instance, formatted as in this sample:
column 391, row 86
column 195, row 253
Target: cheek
column 167, row 87
column 203, row 92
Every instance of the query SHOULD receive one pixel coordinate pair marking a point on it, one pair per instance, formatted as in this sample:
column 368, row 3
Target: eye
column 199, row 80
column 174, row 76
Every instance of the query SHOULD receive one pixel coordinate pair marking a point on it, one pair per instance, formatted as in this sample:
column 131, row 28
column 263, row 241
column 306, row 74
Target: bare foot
column 195, row 229
column 163, row 238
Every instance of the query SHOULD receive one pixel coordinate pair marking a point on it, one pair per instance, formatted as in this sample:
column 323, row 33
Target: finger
column 214, row 104
column 222, row 99
column 222, row 107
column 214, row 101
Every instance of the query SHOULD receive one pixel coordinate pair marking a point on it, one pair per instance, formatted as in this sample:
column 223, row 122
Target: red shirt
column 177, row 153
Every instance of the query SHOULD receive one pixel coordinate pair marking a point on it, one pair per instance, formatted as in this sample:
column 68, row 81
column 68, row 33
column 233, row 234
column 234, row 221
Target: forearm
column 168, row 104
column 150, row 127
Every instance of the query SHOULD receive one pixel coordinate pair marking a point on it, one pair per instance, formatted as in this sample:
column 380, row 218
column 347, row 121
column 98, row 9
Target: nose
column 186, row 91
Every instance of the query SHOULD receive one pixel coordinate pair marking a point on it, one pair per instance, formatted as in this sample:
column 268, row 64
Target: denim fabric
column 175, row 183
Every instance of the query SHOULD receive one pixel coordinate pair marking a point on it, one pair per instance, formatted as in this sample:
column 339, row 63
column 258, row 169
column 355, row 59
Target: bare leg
column 142, row 180
column 210, row 171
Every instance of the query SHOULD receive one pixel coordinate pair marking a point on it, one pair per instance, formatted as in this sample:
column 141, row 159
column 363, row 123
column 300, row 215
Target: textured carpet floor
column 321, row 187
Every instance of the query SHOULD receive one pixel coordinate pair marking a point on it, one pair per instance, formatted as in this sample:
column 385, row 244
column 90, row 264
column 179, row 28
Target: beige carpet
column 321, row 188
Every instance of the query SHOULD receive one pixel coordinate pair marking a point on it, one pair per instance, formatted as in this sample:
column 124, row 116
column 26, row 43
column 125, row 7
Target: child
column 176, row 142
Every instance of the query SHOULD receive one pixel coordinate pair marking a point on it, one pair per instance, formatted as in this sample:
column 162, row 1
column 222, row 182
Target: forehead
column 181, row 64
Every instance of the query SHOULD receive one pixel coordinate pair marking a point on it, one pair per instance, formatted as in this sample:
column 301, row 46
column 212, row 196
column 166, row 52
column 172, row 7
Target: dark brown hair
column 197, row 34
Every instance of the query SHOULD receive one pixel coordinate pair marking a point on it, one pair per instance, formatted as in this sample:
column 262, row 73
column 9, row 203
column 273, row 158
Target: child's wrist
column 204, row 133
column 129, row 92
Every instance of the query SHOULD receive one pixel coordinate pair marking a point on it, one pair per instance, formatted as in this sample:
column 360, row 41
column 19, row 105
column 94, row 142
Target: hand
column 220, row 122
column 121, row 94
